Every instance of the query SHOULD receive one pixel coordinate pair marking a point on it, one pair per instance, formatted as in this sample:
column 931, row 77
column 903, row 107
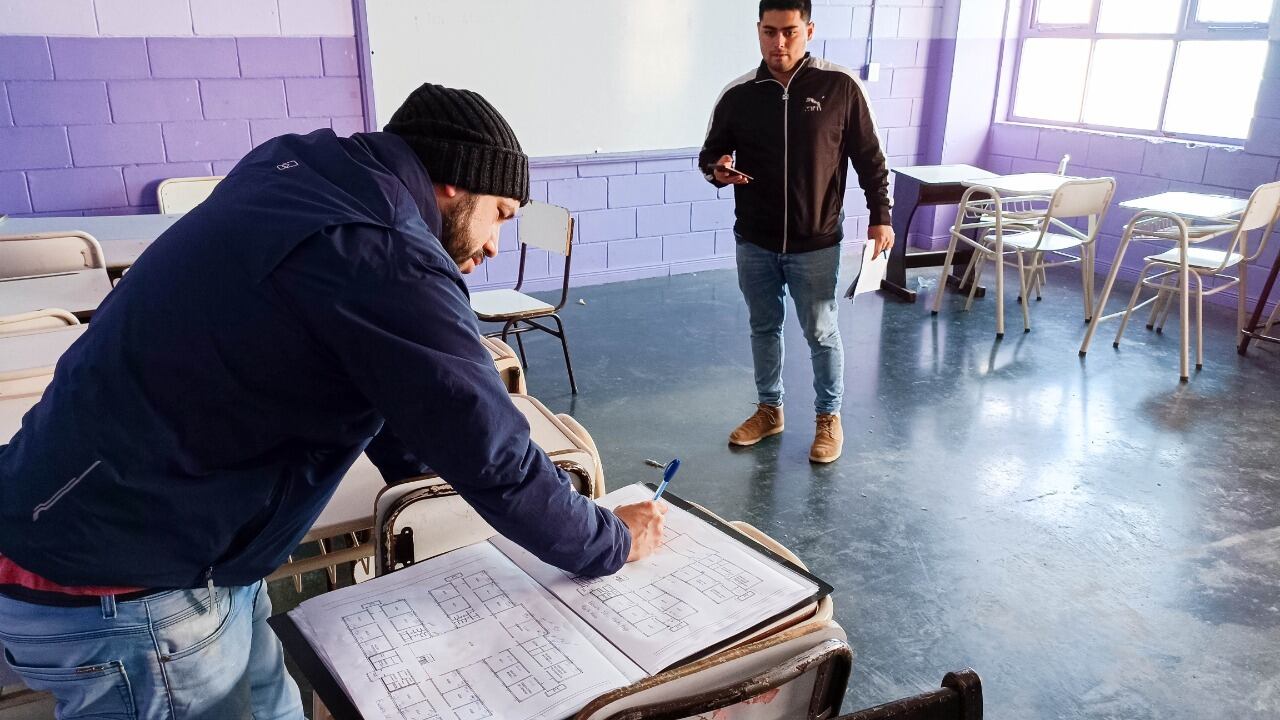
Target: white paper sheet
column 464, row 636
column 872, row 271
column 700, row 588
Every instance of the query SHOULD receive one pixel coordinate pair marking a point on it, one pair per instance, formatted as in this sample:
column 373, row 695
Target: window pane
column 1051, row 77
column 1233, row 11
column 1214, row 87
column 1064, row 12
column 1126, row 83
column 1134, row 16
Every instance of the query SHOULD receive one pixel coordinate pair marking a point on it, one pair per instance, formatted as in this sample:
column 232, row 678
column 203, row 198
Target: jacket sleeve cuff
column 880, row 216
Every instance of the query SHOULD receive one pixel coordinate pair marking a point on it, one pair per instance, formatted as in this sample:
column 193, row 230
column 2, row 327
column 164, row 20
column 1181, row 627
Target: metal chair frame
column 519, row 323
column 1169, row 278
column 991, row 218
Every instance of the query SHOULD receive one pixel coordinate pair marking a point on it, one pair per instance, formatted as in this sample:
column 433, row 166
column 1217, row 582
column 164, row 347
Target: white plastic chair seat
column 1198, row 257
column 503, row 304
column 1053, row 242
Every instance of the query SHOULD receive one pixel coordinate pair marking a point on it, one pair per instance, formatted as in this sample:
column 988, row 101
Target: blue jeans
column 810, row 278
column 168, row 655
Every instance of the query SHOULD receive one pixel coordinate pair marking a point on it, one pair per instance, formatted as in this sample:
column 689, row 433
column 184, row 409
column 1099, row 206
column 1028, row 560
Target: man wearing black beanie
column 311, row 309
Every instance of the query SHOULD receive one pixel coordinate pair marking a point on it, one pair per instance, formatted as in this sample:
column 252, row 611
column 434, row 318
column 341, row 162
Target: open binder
column 490, row 631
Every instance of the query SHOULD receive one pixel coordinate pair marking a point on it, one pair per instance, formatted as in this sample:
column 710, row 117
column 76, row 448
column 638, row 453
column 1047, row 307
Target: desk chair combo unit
column 52, row 270
column 545, row 227
column 1014, row 216
column 1188, row 222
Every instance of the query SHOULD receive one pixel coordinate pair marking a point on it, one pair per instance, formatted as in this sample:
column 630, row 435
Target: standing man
column 311, row 309
column 792, row 123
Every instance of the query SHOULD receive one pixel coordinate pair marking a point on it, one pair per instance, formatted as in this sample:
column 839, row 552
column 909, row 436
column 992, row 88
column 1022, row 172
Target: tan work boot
column 828, row 440
column 766, row 421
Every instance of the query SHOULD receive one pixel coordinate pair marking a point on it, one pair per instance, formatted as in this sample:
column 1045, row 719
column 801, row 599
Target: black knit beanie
column 462, row 140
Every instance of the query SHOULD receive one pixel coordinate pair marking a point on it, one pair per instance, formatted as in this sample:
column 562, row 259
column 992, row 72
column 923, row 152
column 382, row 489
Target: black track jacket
column 794, row 141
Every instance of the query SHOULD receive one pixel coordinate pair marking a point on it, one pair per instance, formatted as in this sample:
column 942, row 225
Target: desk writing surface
column 36, row 350
column 942, row 174
column 122, row 237
column 11, row 412
column 1024, row 183
column 1196, row 206
column 78, row 292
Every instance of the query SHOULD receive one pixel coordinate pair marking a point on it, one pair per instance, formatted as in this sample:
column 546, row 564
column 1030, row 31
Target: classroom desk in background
column 914, row 187
column 122, row 237
column 36, row 351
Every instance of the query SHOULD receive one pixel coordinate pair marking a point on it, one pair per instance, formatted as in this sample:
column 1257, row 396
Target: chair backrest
column 444, row 521
column 48, row 253
column 960, row 698
column 801, row 672
column 49, row 319
column 547, row 227
column 507, row 363
column 1263, row 205
column 1077, row 198
column 179, row 195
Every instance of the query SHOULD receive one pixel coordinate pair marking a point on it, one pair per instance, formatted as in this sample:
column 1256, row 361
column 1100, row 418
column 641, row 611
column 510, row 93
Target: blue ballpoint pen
column 667, row 474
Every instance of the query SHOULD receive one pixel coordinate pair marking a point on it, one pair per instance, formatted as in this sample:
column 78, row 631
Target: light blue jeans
column 810, row 278
column 169, row 655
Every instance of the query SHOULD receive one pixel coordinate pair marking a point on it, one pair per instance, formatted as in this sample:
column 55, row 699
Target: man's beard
column 454, row 226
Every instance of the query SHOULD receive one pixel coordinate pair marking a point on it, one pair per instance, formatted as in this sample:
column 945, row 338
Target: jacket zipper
column 786, row 151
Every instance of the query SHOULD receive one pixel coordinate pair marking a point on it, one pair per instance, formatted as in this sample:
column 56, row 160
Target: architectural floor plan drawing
column 491, row 631
column 701, row 586
column 474, row 640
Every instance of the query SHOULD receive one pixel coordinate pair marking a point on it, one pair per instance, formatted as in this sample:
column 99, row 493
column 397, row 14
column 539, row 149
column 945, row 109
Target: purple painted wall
column 90, row 125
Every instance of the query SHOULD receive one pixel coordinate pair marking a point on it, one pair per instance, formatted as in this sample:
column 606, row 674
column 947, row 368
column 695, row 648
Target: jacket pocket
column 98, row 691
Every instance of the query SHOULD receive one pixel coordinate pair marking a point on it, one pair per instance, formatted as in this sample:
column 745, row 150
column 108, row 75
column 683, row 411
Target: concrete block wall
column 102, row 99
column 655, row 215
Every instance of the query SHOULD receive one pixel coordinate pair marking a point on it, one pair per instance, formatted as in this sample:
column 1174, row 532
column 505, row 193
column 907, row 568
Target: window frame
column 1187, row 29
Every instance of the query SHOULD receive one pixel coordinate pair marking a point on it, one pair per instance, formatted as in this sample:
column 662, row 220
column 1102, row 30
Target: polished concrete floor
column 1095, row 538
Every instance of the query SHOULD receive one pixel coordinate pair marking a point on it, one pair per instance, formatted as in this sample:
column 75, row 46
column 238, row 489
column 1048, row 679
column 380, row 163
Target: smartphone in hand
column 733, row 171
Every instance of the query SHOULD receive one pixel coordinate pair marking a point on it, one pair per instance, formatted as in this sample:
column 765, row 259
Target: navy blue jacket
column 222, row 390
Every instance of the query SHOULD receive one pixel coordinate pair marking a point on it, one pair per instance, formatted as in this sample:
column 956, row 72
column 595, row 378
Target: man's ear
column 449, row 190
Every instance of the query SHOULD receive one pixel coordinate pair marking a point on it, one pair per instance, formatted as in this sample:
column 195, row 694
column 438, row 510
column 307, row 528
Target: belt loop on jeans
column 108, row 607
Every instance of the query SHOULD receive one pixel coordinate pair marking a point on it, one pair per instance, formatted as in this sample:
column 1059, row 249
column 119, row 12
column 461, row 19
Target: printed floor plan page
column 700, row 588
column 465, row 636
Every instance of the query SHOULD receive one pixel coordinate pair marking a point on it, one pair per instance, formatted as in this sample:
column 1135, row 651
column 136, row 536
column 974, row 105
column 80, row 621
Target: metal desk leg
column 1184, row 307
column 1253, row 325
column 1101, row 305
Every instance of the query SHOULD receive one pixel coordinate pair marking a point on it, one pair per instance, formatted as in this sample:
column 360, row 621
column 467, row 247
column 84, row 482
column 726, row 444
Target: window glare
column 1051, row 76
column 1144, row 16
column 1064, row 12
column 1233, row 11
column 1214, row 87
column 1126, row 83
